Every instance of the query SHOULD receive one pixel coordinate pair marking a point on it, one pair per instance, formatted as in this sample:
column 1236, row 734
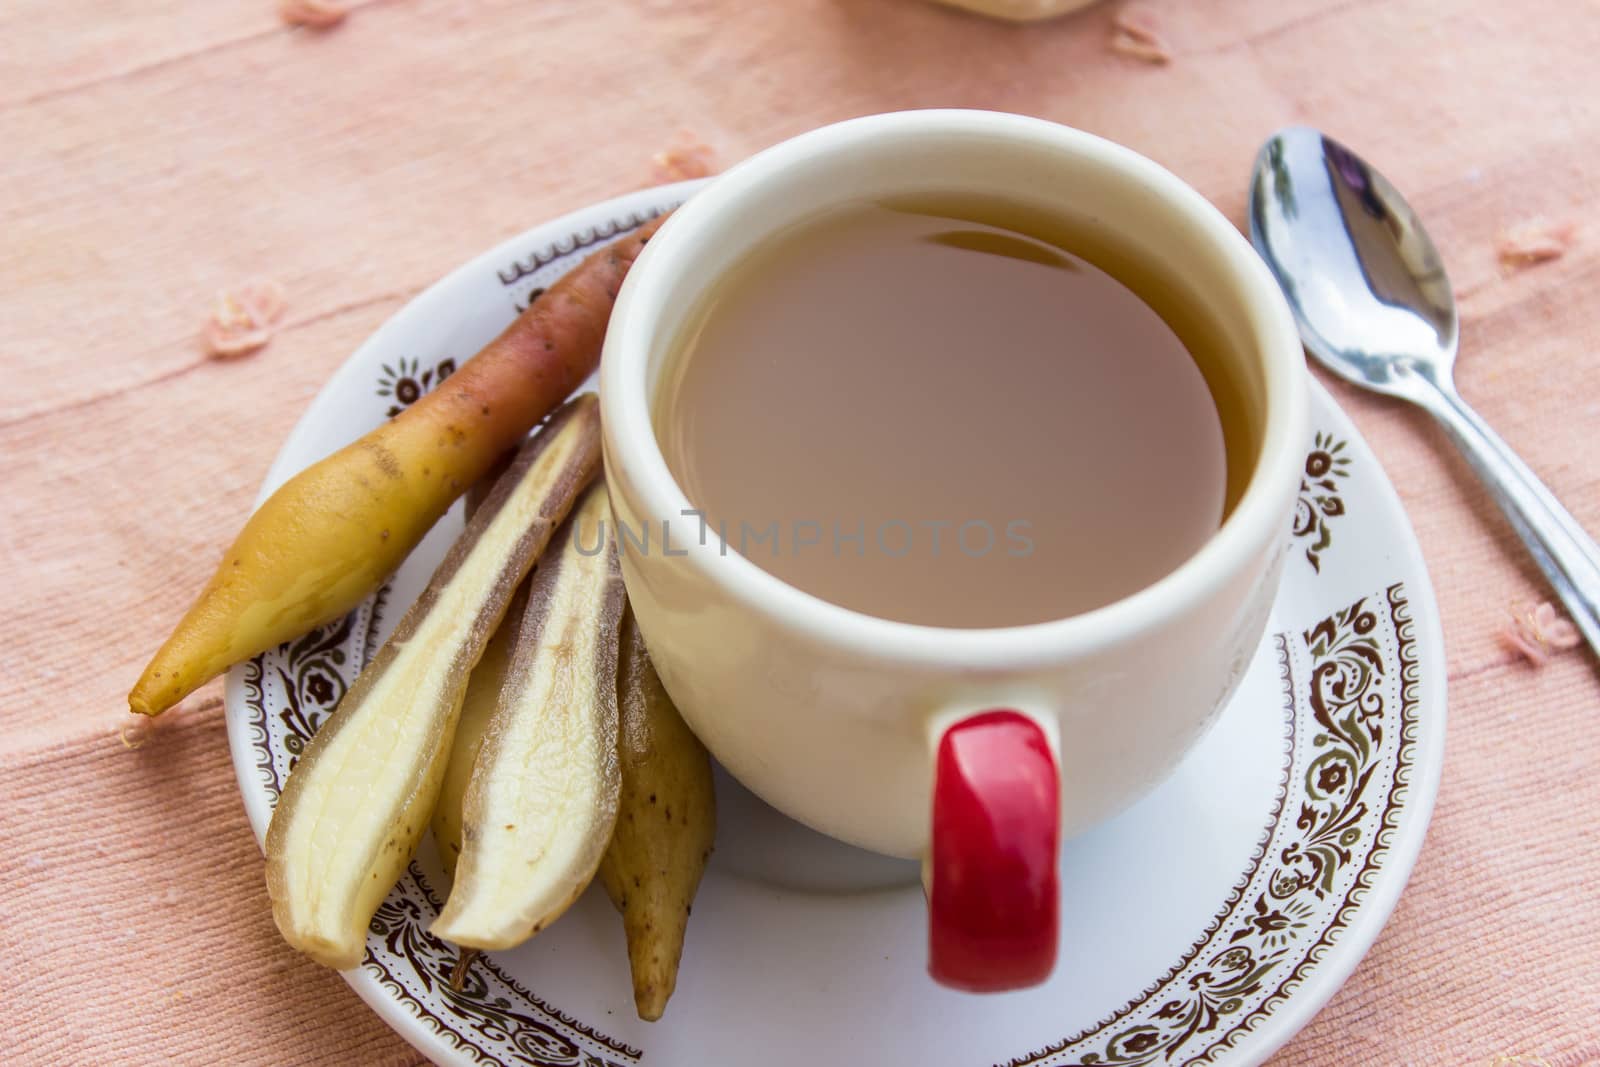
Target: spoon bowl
column 1364, row 280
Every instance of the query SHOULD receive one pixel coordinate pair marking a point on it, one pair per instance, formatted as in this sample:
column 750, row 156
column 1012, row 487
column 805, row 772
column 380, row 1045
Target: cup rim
column 630, row 439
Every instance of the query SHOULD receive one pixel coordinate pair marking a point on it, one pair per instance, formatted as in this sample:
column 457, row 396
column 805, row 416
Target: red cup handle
column 994, row 901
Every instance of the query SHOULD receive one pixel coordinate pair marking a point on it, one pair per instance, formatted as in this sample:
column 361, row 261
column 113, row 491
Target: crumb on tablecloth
column 1136, row 33
column 312, row 14
column 242, row 319
column 135, row 735
column 1538, row 633
column 1535, row 241
column 687, row 157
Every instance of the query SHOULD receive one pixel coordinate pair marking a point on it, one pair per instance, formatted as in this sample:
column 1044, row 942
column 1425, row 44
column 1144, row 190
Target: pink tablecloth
column 155, row 152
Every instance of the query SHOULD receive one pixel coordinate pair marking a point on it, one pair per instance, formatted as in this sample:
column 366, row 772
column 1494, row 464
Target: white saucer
column 1204, row 925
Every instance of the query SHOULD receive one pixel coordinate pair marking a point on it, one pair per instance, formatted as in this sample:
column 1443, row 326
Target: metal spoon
column 1374, row 306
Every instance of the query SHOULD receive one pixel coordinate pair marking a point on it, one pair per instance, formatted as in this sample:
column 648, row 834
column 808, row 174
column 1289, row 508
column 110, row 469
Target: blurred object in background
column 1019, row 10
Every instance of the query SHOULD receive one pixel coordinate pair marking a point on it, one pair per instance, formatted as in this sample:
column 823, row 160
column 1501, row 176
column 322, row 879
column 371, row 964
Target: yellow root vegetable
column 542, row 798
column 666, row 821
column 477, row 708
column 331, row 534
column 356, row 804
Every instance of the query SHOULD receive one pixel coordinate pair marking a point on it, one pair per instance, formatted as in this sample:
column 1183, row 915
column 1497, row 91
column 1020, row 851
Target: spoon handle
column 1564, row 551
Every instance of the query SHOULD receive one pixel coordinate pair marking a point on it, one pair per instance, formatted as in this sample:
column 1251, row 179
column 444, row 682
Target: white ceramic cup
column 840, row 719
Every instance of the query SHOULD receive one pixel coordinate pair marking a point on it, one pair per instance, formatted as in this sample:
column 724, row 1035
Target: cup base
column 766, row 846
